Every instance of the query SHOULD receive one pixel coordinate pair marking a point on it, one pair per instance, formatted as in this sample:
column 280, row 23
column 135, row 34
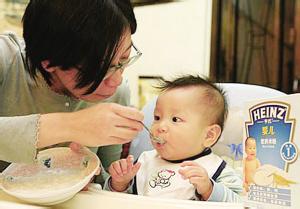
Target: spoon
column 153, row 138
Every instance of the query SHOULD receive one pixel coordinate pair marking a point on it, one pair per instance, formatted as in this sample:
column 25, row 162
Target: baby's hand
column 197, row 176
column 122, row 172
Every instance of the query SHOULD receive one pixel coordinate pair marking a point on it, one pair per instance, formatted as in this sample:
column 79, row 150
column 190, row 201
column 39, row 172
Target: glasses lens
column 124, row 63
column 132, row 60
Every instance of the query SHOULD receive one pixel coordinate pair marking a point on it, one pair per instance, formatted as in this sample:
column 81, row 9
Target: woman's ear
column 45, row 64
column 213, row 132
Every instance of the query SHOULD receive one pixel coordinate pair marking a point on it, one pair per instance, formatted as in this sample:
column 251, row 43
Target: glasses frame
column 124, row 64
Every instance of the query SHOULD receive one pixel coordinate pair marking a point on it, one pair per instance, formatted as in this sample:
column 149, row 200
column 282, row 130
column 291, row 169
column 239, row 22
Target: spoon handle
column 147, row 129
column 153, row 138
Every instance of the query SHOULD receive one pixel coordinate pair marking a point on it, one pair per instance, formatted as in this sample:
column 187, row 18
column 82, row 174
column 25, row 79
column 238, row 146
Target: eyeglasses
column 124, row 63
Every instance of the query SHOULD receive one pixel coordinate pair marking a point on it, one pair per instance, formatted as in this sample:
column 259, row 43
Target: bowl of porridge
column 57, row 176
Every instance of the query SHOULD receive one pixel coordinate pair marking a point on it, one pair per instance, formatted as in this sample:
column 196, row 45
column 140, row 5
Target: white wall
column 174, row 38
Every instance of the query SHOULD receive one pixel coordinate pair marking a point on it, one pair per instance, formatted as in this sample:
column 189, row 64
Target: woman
column 73, row 55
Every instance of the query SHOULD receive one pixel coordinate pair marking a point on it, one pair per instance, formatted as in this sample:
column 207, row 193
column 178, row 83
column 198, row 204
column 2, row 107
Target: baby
column 189, row 117
column 251, row 163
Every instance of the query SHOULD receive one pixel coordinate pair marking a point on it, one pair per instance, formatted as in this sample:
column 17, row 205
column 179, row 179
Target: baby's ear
column 212, row 134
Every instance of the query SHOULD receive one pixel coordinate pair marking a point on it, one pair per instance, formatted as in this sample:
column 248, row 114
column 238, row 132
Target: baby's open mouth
column 157, row 139
column 152, row 137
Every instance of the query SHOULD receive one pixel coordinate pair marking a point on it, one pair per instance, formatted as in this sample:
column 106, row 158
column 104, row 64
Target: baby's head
column 189, row 116
column 250, row 148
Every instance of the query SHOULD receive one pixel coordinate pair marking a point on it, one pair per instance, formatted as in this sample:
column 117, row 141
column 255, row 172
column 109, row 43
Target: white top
column 160, row 178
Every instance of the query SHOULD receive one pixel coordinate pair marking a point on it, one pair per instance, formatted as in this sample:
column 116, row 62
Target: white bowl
column 56, row 177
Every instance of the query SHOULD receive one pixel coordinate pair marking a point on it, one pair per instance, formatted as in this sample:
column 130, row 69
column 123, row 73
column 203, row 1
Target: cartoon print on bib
column 162, row 179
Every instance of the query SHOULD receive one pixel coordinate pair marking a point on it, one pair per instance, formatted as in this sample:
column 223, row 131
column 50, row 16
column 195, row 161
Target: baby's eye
column 176, row 119
column 156, row 117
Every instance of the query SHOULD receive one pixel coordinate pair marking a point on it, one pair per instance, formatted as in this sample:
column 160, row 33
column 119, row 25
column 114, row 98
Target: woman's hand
column 122, row 172
column 106, row 124
column 99, row 125
column 197, row 176
column 78, row 148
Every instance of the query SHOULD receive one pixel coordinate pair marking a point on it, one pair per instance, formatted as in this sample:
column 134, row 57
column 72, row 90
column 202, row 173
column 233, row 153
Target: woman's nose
column 115, row 79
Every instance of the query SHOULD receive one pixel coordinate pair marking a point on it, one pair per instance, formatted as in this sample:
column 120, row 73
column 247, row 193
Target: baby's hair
column 249, row 138
column 214, row 93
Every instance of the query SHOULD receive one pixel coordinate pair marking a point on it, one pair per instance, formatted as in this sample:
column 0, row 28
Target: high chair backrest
column 230, row 142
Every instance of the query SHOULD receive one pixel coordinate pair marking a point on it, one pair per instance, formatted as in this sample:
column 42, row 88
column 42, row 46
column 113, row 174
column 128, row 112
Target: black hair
column 75, row 33
column 214, row 92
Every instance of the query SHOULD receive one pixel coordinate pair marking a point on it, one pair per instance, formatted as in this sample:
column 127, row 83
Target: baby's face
column 179, row 119
column 250, row 148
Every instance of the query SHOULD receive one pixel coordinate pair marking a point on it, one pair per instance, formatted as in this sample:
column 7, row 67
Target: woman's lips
column 102, row 95
column 105, row 95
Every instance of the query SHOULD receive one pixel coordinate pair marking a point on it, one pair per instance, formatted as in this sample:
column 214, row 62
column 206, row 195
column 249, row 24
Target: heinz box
column 271, row 164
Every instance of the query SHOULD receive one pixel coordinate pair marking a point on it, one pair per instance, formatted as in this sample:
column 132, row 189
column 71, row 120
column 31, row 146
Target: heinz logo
column 269, row 111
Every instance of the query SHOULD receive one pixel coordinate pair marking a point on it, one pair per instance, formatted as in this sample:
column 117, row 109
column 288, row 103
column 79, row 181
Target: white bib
column 160, row 178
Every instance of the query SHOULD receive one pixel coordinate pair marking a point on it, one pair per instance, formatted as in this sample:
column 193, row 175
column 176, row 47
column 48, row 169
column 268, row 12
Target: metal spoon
column 153, row 138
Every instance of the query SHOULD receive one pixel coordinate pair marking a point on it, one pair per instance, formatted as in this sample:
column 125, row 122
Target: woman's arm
column 102, row 124
column 18, row 138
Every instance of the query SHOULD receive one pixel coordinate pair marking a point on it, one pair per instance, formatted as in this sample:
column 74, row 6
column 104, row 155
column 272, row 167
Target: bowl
column 57, row 176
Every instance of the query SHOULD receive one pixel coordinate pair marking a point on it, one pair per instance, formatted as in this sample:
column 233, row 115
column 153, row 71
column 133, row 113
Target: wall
column 174, row 38
column 10, row 17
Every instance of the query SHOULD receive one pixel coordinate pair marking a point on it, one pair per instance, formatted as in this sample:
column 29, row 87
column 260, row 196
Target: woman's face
column 65, row 81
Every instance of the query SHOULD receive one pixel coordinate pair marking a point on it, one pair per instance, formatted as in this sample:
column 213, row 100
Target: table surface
column 112, row 200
